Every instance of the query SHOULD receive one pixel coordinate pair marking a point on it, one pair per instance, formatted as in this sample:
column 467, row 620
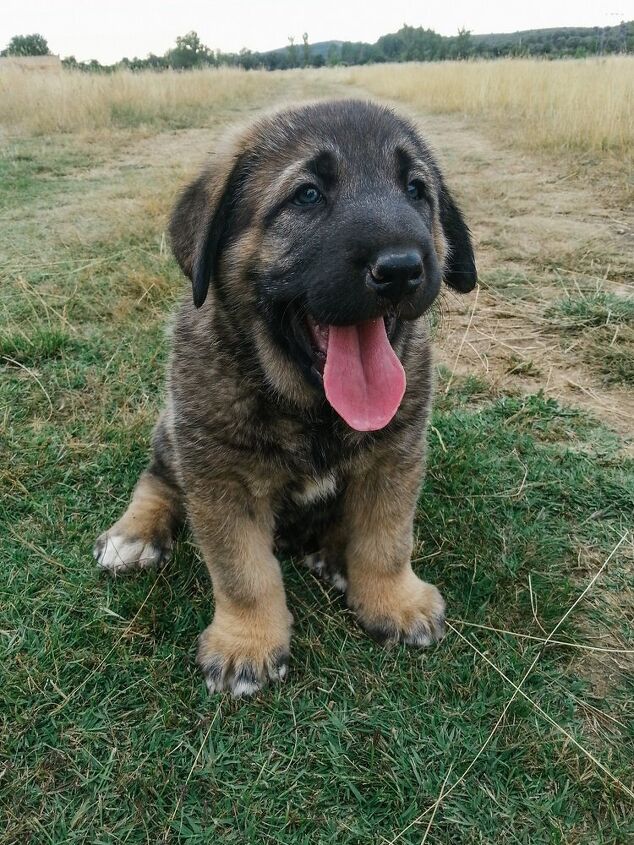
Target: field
column 518, row 728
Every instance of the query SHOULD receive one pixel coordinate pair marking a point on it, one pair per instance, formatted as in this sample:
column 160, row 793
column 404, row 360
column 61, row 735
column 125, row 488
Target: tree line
column 408, row 44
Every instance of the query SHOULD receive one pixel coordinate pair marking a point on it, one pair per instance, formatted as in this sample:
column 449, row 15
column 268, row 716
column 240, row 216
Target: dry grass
column 585, row 104
column 42, row 103
column 582, row 104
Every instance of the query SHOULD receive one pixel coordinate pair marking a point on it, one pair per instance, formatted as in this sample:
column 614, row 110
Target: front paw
column 242, row 659
column 399, row 609
column 122, row 550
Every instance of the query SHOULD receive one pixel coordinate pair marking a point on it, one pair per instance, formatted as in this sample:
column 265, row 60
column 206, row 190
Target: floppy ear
column 200, row 225
column 460, row 269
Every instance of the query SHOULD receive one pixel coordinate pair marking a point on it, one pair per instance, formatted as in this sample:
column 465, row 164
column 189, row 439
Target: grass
column 107, row 733
column 602, row 325
column 581, row 104
column 108, row 730
column 72, row 101
column 595, row 310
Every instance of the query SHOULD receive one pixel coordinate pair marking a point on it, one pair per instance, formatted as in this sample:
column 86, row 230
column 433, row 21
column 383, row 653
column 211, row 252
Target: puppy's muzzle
column 395, row 275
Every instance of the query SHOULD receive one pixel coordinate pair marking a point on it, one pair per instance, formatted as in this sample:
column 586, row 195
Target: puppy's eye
column 415, row 190
column 307, row 195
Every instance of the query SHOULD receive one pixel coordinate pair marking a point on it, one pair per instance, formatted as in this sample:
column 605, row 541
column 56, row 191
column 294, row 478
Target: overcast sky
column 107, row 30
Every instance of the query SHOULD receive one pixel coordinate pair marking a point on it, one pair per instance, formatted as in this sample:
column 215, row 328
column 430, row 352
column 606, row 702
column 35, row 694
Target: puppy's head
column 325, row 230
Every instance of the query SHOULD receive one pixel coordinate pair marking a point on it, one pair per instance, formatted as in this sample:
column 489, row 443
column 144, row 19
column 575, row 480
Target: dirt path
column 540, row 235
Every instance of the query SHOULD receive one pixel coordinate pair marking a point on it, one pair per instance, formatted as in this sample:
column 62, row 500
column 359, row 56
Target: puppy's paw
column 321, row 567
column 118, row 551
column 239, row 661
column 400, row 610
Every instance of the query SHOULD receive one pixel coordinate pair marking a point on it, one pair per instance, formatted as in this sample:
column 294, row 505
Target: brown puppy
column 299, row 383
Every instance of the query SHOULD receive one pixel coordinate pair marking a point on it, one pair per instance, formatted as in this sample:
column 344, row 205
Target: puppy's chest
column 311, row 496
column 310, row 490
column 312, row 450
column 308, row 506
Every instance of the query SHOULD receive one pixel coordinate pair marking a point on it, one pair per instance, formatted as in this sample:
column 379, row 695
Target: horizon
column 134, row 30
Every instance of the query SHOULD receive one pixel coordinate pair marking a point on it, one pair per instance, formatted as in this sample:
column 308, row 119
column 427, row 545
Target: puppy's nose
column 396, row 275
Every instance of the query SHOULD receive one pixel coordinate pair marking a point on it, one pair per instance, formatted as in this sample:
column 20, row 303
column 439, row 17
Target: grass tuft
column 38, row 346
column 600, row 308
column 604, row 323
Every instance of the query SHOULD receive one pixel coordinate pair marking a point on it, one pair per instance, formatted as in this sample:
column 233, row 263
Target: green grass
column 594, row 310
column 605, row 324
column 106, row 730
column 30, row 168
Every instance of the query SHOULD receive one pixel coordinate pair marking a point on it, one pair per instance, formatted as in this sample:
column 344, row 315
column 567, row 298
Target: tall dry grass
column 581, row 104
column 43, row 103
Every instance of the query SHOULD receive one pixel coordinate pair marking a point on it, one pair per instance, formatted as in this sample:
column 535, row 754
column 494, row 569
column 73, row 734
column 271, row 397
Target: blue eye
column 307, row 195
column 416, row 190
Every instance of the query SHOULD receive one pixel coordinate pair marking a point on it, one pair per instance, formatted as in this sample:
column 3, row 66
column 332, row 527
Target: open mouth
column 318, row 335
column 363, row 379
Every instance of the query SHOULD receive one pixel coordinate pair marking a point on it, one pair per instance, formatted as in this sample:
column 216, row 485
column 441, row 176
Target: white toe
column 244, row 688
column 419, row 637
column 339, row 582
column 315, row 563
column 317, row 566
column 212, row 686
column 119, row 554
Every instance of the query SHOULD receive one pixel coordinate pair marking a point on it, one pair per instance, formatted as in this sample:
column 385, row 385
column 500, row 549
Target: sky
column 107, row 30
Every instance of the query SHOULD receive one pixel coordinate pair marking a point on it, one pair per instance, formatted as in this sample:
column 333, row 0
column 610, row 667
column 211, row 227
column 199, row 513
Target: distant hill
column 320, row 48
column 553, row 33
column 567, row 39
column 556, row 41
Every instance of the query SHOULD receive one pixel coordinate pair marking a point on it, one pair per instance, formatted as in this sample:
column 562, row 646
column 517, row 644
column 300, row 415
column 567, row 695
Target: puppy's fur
column 247, row 447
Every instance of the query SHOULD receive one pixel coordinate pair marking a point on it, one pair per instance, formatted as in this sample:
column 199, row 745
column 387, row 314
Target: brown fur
column 247, row 445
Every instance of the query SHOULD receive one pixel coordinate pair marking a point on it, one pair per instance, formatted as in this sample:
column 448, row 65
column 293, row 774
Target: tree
column 247, row 59
column 27, row 45
column 463, row 43
column 189, row 52
column 305, row 50
column 291, row 52
column 334, row 56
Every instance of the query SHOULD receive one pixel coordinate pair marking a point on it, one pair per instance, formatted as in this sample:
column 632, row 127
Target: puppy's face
column 332, row 230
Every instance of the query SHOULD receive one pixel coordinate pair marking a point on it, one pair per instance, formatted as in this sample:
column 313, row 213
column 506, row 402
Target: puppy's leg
column 391, row 602
column 144, row 535
column 247, row 644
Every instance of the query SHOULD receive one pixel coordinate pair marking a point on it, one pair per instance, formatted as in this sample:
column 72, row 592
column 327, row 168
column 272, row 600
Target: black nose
column 396, row 275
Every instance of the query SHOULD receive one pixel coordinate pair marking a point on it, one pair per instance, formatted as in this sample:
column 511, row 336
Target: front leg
column 392, row 603
column 247, row 644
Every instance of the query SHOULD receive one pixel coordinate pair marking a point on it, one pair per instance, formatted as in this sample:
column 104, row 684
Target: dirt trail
column 539, row 235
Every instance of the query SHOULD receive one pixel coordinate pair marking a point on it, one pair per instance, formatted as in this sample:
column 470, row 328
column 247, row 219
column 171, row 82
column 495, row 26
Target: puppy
column 299, row 383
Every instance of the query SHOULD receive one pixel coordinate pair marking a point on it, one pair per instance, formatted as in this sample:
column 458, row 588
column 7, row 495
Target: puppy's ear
column 460, row 270
column 201, row 223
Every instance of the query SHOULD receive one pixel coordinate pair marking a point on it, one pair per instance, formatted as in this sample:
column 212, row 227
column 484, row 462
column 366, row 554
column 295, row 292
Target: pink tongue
column 363, row 379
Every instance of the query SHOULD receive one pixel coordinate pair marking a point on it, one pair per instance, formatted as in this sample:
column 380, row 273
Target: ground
column 517, row 727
